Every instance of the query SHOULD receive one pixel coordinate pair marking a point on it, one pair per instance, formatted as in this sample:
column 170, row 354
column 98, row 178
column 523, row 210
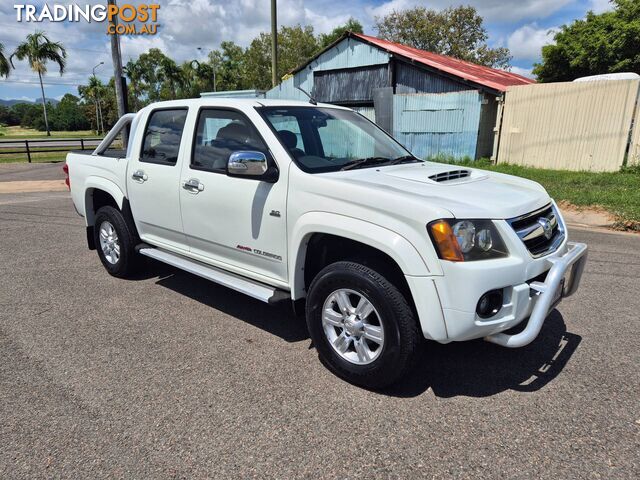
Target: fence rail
column 30, row 147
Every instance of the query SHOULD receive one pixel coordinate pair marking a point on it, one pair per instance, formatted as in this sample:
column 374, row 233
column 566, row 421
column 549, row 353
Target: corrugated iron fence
column 571, row 126
column 438, row 124
column 634, row 147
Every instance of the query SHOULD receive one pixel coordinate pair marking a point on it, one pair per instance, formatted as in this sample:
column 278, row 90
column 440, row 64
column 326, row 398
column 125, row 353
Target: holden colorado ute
column 314, row 204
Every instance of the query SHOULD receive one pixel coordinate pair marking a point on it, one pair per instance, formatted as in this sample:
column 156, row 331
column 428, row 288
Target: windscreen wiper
column 405, row 159
column 362, row 162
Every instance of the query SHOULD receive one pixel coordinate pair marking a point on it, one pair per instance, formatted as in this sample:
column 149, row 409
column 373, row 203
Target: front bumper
column 446, row 305
column 572, row 262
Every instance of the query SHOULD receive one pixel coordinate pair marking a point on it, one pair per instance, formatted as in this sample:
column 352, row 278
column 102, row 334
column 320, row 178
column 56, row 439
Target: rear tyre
column 361, row 325
column 115, row 242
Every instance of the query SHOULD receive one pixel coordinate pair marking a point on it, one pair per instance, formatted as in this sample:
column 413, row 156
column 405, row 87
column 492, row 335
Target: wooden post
column 26, row 143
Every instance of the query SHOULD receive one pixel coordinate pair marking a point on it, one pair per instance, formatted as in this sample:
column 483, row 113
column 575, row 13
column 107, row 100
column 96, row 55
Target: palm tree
column 37, row 49
column 92, row 92
column 5, row 67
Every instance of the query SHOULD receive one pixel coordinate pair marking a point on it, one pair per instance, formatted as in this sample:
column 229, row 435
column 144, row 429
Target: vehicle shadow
column 277, row 320
column 481, row 369
column 475, row 368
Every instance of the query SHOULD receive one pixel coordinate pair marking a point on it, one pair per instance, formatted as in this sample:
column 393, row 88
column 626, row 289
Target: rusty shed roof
column 488, row 77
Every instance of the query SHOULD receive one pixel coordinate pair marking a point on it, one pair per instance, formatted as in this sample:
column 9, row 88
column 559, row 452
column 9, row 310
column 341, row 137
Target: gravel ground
column 169, row 376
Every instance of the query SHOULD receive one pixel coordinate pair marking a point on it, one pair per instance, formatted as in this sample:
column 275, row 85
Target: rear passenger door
column 153, row 179
column 236, row 223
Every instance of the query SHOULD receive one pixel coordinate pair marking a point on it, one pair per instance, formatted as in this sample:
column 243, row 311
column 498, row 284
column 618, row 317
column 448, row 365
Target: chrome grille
column 540, row 231
column 451, row 175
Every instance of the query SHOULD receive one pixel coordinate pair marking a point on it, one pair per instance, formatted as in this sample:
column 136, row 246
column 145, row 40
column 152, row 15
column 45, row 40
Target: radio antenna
column 312, row 100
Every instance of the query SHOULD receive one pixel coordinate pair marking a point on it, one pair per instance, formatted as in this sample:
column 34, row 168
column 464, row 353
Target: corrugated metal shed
column 377, row 76
column 485, row 76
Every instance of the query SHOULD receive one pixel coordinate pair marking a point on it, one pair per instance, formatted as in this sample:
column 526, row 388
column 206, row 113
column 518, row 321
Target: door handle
column 193, row 185
column 139, row 176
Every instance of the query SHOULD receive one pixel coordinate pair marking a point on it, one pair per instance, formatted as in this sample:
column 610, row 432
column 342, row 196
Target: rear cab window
column 162, row 136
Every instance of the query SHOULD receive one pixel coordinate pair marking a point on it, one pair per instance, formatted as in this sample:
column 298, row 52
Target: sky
column 184, row 25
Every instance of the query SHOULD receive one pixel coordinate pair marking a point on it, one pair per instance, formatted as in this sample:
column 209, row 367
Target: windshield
column 329, row 139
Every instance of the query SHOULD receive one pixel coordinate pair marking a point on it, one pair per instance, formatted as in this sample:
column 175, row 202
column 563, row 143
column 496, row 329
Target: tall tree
column 457, row 32
column 229, row 65
column 295, row 46
column 5, row 67
column 172, row 76
column 326, row 39
column 604, row 43
column 133, row 71
column 37, row 49
column 94, row 92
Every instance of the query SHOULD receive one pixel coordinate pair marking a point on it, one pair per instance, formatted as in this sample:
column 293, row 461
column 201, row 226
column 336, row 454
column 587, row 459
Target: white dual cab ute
column 315, row 204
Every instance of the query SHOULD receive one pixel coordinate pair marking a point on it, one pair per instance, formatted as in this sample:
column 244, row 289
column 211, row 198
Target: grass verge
column 19, row 133
column 616, row 192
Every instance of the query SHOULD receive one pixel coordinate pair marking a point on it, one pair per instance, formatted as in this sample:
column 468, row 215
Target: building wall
column 352, row 85
column 350, row 53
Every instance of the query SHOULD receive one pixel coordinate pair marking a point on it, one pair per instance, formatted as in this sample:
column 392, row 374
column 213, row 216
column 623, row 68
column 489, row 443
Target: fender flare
column 391, row 243
column 99, row 183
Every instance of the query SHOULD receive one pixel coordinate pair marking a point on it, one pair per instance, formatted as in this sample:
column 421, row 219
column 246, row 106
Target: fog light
column 489, row 304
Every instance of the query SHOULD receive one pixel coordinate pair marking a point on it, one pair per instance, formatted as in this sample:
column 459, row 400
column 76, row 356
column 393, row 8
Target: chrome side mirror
column 247, row 163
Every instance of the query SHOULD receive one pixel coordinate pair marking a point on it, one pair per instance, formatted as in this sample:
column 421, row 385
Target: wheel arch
column 98, row 193
column 372, row 238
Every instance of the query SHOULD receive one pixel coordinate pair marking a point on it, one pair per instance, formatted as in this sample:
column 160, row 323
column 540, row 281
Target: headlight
column 464, row 240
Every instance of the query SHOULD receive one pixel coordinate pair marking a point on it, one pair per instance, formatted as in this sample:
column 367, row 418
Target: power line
column 21, row 82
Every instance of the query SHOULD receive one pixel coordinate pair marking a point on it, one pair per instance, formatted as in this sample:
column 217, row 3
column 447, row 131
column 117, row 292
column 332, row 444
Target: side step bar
column 257, row 290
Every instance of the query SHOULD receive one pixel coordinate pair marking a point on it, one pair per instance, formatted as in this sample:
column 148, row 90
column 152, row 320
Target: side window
column 162, row 136
column 219, row 133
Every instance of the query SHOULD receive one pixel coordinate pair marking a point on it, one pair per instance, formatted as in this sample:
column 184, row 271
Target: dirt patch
column 594, row 216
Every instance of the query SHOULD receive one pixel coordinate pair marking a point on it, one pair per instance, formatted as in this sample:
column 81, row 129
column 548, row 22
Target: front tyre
column 115, row 242
column 362, row 326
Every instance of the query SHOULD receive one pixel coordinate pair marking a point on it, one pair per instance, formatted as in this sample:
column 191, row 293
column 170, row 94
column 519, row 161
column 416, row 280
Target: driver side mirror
column 251, row 164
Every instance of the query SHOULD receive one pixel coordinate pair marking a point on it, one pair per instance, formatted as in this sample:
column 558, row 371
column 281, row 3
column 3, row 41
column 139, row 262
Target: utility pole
column 274, row 44
column 99, row 122
column 117, row 72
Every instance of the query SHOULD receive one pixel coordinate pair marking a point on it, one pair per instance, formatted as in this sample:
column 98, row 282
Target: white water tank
column 609, row 76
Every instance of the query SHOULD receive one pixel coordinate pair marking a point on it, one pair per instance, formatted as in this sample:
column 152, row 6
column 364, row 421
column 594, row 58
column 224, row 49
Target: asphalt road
column 11, row 172
column 169, row 376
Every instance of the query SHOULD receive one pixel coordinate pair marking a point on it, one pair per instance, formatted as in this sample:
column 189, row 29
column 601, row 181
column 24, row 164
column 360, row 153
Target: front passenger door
column 236, row 223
